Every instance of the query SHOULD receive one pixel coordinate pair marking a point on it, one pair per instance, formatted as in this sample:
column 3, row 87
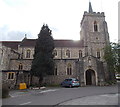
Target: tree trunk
column 31, row 80
column 40, row 81
column 113, row 76
column 16, row 79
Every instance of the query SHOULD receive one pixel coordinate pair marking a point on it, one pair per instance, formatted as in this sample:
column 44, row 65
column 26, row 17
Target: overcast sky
column 63, row 17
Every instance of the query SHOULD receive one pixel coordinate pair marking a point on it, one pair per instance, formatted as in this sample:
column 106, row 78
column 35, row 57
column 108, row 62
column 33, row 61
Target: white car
column 118, row 76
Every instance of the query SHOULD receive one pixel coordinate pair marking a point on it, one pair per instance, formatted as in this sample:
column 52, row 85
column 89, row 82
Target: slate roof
column 58, row 43
column 68, row 43
column 32, row 42
column 28, row 43
column 11, row 44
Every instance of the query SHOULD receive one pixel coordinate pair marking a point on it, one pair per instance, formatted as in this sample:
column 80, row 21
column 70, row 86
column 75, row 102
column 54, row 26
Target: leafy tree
column 43, row 63
column 116, row 49
column 112, row 57
column 118, row 53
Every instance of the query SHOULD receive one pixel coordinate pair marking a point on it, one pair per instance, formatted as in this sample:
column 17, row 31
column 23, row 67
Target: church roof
column 68, row 43
column 28, row 43
column 11, row 44
column 32, row 42
column 57, row 43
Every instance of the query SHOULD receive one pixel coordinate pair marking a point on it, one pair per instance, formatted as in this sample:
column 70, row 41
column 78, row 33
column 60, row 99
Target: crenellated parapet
column 92, row 14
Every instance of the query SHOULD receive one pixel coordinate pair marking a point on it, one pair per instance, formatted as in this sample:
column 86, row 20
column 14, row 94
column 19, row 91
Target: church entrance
column 90, row 77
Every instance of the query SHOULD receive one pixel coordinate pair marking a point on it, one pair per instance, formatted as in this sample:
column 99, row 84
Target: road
column 58, row 96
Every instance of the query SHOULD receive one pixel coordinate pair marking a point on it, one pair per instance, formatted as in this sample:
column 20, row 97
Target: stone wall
column 90, row 63
column 61, row 52
column 4, row 58
column 6, row 54
column 10, row 82
column 94, row 41
column 61, row 72
column 14, row 64
column 19, row 77
column 74, row 52
column 23, row 50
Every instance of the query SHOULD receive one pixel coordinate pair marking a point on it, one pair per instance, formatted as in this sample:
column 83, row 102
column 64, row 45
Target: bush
column 53, row 85
column 111, row 82
column 5, row 91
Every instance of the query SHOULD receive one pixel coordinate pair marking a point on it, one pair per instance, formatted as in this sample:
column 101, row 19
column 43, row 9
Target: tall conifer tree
column 43, row 63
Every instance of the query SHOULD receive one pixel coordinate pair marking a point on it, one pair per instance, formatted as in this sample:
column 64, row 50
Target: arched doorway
column 90, row 77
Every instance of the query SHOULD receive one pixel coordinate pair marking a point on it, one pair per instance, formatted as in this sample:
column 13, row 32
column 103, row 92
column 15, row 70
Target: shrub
column 5, row 91
column 53, row 85
column 111, row 82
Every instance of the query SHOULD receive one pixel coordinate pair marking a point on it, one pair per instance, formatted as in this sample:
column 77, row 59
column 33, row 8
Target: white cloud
column 62, row 16
column 7, row 34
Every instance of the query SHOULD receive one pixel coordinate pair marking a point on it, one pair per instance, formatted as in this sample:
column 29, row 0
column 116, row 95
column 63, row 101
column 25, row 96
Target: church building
column 82, row 59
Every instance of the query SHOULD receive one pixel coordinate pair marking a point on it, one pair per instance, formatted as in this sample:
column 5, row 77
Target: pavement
column 109, row 95
column 16, row 93
column 106, row 99
column 103, row 99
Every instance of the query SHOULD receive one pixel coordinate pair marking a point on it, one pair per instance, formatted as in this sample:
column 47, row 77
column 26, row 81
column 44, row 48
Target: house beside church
column 82, row 59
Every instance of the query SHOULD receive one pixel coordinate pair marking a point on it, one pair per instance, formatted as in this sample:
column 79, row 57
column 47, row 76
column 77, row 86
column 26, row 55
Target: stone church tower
column 95, row 35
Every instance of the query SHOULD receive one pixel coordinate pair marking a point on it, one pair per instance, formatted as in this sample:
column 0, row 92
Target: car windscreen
column 76, row 80
column 68, row 79
column 118, row 75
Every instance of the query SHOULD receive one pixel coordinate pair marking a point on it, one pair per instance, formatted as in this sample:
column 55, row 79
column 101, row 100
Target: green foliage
column 109, row 56
column 117, row 53
column 43, row 63
column 53, row 85
column 112, row 57
column 111, row 82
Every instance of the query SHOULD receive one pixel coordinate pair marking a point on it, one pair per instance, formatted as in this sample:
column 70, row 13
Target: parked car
column 117, row 76
column 70, row 82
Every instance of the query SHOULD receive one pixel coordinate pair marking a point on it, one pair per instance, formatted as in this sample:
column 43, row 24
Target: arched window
column 68, row 53
column 11, row 75
column 28, row 53
column 80, row 53
column 98, row 54
column 55, row 70
column 95, row 26
column 69, row 69
column 20, row 67
column 55, row 52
